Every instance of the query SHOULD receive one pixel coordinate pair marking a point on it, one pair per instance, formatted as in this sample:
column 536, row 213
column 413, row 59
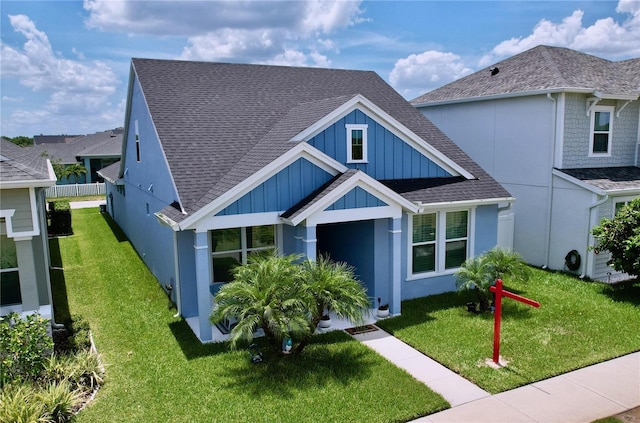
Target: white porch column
column 203, row 279
column 395, row 236
column 310, row 242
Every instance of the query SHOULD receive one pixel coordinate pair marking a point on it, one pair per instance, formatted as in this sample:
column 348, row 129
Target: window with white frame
column 231, row 247
column 439, row 241
column 137, row 141
column 9, row 275
column 601, row 131
column 618, row 204
column 356, row 143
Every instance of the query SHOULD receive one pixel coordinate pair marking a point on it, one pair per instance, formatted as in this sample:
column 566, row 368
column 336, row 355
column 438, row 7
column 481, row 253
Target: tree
column 621, row 237
column 264, row 294
column 22, row 141
column 75, row 170
column 480, row 272
column 286, row 299
column 332, row 287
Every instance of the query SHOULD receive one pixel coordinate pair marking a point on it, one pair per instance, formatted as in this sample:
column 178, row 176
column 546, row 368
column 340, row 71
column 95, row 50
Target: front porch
column 369, row 317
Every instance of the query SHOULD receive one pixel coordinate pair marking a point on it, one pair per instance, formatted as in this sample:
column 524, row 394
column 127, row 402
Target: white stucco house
column 559, row 129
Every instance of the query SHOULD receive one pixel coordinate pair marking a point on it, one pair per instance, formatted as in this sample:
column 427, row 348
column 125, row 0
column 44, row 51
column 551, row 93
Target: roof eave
column 511, row 95
column 465, row 203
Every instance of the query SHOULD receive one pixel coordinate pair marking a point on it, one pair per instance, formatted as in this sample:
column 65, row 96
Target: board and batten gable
column 281, row 191
column 577, row 127
column 388, row 156
column 148, row 188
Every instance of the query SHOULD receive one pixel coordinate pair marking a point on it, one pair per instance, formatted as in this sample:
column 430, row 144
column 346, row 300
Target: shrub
column 621, row 237
column 60, row 218
column 88, row 371
column 24, row 347
column 19, row 404
column 58, row 401
column 79, row 328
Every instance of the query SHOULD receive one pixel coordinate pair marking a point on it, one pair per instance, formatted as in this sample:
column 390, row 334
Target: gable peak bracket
column 591, row 103
column 619, row 108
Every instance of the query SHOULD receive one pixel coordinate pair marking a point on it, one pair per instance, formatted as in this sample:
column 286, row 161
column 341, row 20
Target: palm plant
column 475, row 273
column 265, row 293
column 332, row 287
column 481, row 272
column 76, row 170
column 507, row 264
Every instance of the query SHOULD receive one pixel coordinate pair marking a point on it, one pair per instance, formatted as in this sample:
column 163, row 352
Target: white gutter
column 464, row 203
column 176, row 264
column 530, row 93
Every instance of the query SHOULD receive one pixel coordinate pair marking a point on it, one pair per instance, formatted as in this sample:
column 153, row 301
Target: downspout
column 588, row 254
column 177, row 281
column 554, row 123
column 638, row 140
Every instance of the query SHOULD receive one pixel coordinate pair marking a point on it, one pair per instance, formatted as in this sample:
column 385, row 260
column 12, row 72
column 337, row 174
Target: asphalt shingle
column 219, row 123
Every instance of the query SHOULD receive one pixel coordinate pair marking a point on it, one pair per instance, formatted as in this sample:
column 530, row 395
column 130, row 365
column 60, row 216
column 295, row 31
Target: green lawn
column 579, row 323
column 158, row 372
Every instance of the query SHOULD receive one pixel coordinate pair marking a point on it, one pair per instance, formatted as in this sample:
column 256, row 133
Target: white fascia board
column 505, row 95
column 354, row 215
column 391, row 124
column 239, row 220
column 465, row 203
column 127, row 119
column 578, row 182
column 363, row 181
column 627, row 191
column 302, row 150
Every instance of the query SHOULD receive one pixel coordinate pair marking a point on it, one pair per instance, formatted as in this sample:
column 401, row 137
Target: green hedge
column 60, row 218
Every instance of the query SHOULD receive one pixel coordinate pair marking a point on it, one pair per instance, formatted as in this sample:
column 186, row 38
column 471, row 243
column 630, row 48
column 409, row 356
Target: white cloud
column 77, row 90
column 249, row 31
column 605, row 38
column 419, row 73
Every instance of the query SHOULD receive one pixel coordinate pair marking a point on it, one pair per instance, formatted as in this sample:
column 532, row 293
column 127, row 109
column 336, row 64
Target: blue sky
column 65, row 64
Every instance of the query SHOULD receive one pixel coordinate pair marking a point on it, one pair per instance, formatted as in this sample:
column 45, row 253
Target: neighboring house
column 93, row 151
column 24, row 251
column 560, row 130
column 220, row 161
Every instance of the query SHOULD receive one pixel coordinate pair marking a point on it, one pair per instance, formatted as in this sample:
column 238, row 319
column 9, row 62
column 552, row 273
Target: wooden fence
column 76, row 190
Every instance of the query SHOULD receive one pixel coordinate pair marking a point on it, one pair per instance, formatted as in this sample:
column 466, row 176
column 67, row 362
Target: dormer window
column 356, row 143
column 601, row 130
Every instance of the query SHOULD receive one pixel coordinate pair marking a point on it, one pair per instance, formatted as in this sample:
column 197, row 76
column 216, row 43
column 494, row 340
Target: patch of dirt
column 629, row 416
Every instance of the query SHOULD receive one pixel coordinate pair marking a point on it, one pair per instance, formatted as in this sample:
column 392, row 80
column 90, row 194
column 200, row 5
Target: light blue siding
column 148, row 189
column 486, row 236
column 282, row 191
column 388, row 156
column 355, row 199
column 353, row 243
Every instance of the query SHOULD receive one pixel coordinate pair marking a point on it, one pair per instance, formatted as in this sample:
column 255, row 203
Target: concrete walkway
column 453, row 387
column 86, row 204
column 583, row 395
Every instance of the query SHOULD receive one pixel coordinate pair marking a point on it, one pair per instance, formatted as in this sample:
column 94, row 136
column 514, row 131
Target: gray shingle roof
column 219, row 123
column 608, row 178
column 19, row 164
column 111, row 172
column 100, row 144
column 543, row 68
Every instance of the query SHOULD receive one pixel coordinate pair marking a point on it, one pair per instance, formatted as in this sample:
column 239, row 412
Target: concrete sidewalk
column 583, row 395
